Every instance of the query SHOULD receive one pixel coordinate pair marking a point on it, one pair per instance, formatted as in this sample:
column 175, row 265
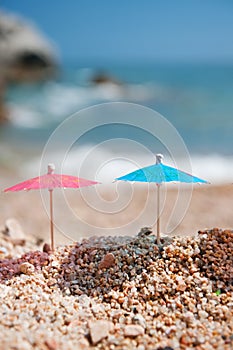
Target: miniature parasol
column 51, row 181
column 160, row 173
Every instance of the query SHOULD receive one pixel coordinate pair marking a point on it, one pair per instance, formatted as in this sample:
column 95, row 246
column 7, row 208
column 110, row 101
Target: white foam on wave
column 24, row 116
column 56, row 101
column 215, row 168
column 104, row 165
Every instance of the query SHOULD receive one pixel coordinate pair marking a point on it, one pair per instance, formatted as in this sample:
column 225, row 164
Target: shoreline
column 118, row 210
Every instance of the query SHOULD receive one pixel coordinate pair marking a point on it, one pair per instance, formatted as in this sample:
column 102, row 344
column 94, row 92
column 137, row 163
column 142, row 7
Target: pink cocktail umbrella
column 50, row 181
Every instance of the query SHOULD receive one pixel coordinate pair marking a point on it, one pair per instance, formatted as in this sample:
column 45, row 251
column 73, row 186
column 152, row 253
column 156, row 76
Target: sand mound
column 121, row 293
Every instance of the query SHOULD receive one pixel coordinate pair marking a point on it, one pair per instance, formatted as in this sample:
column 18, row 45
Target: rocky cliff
column 25, row 55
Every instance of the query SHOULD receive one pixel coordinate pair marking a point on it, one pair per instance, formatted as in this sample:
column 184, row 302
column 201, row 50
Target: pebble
column 14, row 229
column 46, row 248
column 107, row 261
column 14, row 240
column 3, row 251
column 139, row 319
column 99, row 330
column 51, row 344
column 27, row 268
column 132, row 330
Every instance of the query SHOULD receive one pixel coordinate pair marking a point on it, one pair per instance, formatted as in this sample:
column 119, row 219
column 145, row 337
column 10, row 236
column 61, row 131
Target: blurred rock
column 27, row 268
column 132, row 330
column 47, row 248
column 51, row 344
column 145, row 231
column 107, row 261
column 25, row 55
column 103, row 78
column 3, row 252
column 99, row 330
column 24, row 51
column 14, row 230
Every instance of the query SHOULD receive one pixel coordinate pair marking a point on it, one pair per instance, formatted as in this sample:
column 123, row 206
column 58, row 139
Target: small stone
column 203, row 314
column 55, row 263
column 145, row 231
column 14, row 229
column 184, row 340
column 27, row 268
column 3, row 251
column 99, row 330
column 181, row 287
column 47, row 248
column 83, row 344
column 132, row 330
column 51, row 344
column 20, row 242
column 107, row 261
column 52, row 282
column 139, row 319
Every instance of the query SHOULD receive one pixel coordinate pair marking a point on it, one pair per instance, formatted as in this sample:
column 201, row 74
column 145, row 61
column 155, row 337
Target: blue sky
column 138, row 30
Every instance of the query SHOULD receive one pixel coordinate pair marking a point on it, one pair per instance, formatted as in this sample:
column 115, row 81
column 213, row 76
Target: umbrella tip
column 51, row 168
column 159, row 158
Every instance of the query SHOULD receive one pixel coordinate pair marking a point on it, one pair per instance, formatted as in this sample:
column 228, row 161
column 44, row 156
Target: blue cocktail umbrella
column 159, row 173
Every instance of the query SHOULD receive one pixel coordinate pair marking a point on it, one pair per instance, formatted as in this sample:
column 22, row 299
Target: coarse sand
column 118, row 292
column 113, row 288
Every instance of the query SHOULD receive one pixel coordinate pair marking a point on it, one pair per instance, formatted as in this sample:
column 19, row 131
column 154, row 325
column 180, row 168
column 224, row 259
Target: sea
column 111, row 118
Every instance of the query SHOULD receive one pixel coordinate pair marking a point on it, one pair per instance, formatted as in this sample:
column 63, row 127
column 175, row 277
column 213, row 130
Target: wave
column 105, row 165
column 56, row 101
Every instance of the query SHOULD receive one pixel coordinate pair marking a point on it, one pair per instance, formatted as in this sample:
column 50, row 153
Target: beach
column 108, row 284
column 210, row 206
column 120, row 293
column 117, row 291
column 116, row 176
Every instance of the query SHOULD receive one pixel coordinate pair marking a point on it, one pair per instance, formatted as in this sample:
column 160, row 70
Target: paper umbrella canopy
column 160, row 173
column 51, row 181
